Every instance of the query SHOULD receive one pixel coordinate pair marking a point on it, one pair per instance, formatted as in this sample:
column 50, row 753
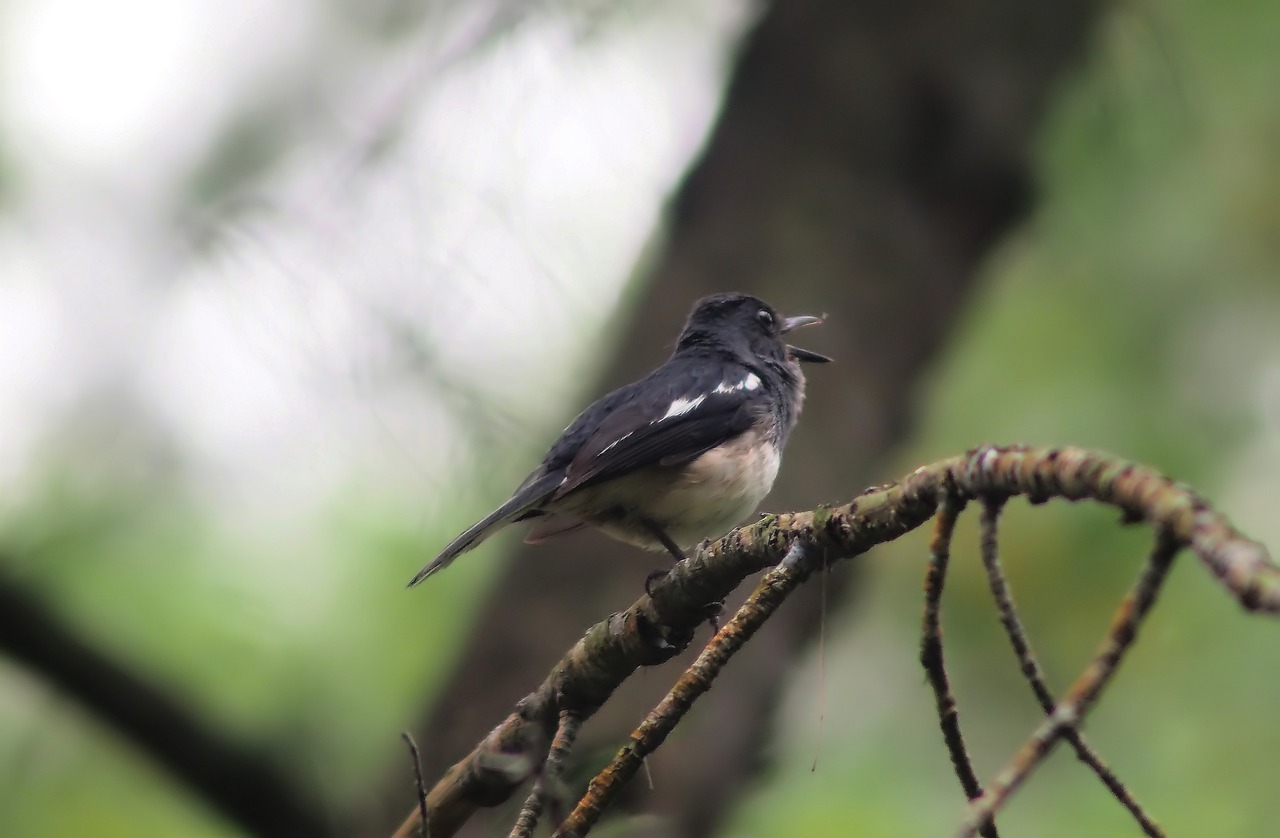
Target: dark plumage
column 684, row 453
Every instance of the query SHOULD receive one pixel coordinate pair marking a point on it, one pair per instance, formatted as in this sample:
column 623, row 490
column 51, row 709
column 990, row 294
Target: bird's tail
column 526, row 498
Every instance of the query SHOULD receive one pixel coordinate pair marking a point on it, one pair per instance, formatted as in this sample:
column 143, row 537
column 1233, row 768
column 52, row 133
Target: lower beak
column 807, row 356
column 795, row 351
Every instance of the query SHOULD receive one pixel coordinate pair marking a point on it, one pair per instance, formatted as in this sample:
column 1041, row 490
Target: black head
column 744, row 325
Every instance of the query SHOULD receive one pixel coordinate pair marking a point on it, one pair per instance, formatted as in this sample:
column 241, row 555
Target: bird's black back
column 700, row 398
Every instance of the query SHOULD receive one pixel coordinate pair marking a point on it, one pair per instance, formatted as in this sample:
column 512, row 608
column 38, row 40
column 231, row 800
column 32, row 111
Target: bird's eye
column 766, row 318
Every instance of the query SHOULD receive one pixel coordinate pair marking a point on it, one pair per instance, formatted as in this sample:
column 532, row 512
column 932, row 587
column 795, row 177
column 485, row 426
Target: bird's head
column 745, row 325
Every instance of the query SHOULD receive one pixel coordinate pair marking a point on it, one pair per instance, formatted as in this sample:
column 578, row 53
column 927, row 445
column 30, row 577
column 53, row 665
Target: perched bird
column 684, row 453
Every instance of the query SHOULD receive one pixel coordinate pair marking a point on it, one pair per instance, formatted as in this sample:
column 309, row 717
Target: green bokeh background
column 1137, row 312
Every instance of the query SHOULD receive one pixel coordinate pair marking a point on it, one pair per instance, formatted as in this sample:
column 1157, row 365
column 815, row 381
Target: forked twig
column 774, row 587
column 1075, row 705
column 548, row 780
column 931, row 658
column 1031, row 670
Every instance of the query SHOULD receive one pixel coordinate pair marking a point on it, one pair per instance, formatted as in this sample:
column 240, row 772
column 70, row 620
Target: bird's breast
column 704, row 498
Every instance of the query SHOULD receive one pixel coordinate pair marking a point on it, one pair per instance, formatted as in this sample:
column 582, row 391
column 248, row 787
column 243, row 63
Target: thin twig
column 1031, row 670
column 548, row 781
column 1075, row 705
column 931, row 658
column 822, row 663
column 419, row 785
column 774, row 587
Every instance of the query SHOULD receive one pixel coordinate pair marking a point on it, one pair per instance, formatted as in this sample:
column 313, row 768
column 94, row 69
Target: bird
column 683, row 454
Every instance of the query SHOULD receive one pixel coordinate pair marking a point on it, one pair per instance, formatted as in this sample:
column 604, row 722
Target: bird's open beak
column 795, row 351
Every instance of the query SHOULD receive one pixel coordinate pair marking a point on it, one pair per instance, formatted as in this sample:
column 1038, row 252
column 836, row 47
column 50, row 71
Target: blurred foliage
column 244, row 154
column 1135, row 313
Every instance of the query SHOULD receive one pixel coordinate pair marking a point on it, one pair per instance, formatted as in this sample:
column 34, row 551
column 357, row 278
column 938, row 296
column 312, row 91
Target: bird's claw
column 711, row 612
column 651, row 579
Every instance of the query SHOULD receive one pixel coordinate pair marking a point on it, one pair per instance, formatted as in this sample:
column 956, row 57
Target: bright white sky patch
column 82, row 79
column 134, row 83
column 28, row 360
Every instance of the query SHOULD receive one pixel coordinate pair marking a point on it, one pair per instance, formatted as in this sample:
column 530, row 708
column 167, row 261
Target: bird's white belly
column 719, row 490
column 704, row 499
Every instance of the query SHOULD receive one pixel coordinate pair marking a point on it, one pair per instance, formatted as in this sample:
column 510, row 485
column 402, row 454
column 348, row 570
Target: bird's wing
column 666, row 426
column 548, row 527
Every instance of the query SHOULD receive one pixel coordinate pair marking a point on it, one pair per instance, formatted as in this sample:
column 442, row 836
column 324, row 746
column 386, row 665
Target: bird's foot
column 654, row 577
column 712, row 612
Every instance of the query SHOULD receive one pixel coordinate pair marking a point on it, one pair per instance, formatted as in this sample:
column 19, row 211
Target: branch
column 931, row 657
column 654, row 628
column 245, row 786
column 776, row 585
column 547, row 785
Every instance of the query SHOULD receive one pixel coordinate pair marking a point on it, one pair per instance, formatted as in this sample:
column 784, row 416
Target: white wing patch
column 751, row 382
column 615, row 442
column 680, row 407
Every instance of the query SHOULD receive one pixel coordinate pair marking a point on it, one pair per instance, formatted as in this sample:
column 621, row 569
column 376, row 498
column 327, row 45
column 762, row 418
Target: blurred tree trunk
column 868, row 157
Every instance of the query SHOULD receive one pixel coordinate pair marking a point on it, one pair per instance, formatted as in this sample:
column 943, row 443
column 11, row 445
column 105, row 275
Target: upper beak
column 795, row 351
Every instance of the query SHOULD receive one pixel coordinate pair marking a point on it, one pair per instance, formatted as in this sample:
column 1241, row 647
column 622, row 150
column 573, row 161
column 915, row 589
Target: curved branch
column 245, row 786
column 656, row 625
column 931, row 656
column 548, row 782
